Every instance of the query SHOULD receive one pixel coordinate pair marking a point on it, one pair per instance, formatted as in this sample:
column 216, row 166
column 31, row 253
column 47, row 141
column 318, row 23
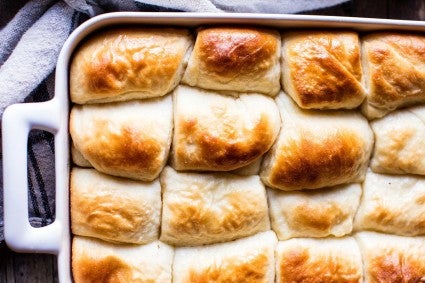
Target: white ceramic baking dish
column 52, row 116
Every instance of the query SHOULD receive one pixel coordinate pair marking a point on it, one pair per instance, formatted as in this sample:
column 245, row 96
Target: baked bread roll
column 332, row 260
column 213, row 132
column 128, row 63
column 314, row 214
column 392, row 204
column 247, row 260
column 98, row 261
column 235, row 59
column 207, row 208
column 389, row 258
column 114, row 209
column 394, row 66
column 400, row 142
column 317, row 149
column 127, row 139
column 322, row 69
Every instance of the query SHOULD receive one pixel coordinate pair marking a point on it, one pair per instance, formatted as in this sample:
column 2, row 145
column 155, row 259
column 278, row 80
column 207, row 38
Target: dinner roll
column 394, row 65
column 317, row 148
column 245, row 260
column 331, row 260
column 114, row 209
column 208, row 208
column 319, row 213
column 400, row 142
column 389, row 258
column 214, row 132
column 392, row 204
column 322, row 69
column 235, row 59
column 98, row 261
column 128, row 63
column 127, row 139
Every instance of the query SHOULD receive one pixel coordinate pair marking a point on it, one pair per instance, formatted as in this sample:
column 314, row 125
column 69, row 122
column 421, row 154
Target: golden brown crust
column 322, row 69
column 105, row 270
column 122, row 149
column 318, row 218
column 313, row 261
column 106, row 220
column 251, row 270
column 209, row 208
column 389, row 258
column 250, row 259
column 396, row 77
column 190, row 218
column 122, row 64
column 223, row 153
column 394, row 267
column 222, row 133
column 114, row 209
column 318, row 213
column 230, row 51
column 296, row 268
column 125, row 151
column 385, row 217
column 97, row 261
column 329, row 161
column 112, row 139
column 317, row 148
column 232, row 59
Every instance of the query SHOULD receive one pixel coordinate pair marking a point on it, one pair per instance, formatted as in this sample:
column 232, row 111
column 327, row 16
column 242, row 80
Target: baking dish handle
column 18, row 121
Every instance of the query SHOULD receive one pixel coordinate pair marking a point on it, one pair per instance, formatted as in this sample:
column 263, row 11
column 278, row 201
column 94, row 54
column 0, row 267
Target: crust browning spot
column 307, row 163
column 252, row 268
column 112, row 221
column 396, row 64
column 394, row 267
column 420, row 200
column 320, row 218
column 299, row 266
column 385, row 219
column 230, row 51
column 224, row 151
column 196, row 216
column 105, row 270
column 127, row 61
column 324, row 68
column 123, row 150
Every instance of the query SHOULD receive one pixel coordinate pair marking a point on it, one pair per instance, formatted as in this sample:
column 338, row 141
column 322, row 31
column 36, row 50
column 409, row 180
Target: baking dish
column 53, row 115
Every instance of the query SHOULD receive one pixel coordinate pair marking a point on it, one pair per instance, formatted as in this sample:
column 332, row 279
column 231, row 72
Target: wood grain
column 23, row 268
column 42, row 268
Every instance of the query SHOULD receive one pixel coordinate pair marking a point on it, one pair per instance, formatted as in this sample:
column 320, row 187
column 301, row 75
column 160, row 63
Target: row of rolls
column 364, row 257
column 186, row 209
column 318, row 69
column 246, row 155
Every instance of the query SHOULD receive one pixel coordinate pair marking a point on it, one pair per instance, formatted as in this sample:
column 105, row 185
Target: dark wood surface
column 16, row 267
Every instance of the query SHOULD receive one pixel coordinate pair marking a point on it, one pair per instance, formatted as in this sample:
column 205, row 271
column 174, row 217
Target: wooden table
column 16, row 267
